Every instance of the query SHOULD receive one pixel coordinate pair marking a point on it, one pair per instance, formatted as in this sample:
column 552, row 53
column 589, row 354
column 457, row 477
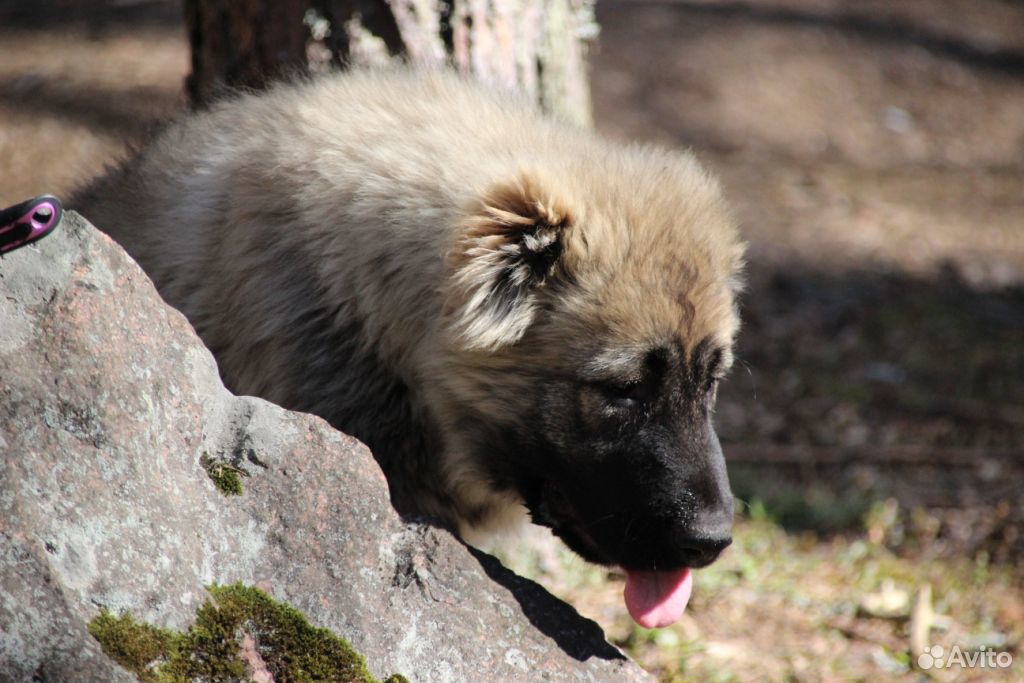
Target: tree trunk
column 535, row 46
column 242, row 43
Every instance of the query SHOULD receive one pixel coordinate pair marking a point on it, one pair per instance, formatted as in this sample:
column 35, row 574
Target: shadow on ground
column 98, row 18
column 859, row 24
column 855, row 388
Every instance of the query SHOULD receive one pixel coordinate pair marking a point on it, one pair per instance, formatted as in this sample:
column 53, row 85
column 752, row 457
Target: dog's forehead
column 653, row 254
column 665, row 301
column 661, row 265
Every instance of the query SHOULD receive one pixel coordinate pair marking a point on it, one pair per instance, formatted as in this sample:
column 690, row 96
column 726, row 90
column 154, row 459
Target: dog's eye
column 624, row 395
column 715, row 372
column 711, row 391
column 627, row 395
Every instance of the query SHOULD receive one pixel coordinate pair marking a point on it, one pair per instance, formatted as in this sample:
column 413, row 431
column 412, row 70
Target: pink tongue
column 657, row 599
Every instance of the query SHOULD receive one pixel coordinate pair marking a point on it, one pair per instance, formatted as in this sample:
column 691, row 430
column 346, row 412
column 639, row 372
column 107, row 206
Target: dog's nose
column 700, row 550
column 703, row 539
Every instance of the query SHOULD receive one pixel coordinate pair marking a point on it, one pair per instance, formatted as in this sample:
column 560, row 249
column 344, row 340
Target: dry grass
column 798, row 607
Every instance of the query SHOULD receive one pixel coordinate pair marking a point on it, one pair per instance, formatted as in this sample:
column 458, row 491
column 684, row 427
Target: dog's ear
column 508, row 246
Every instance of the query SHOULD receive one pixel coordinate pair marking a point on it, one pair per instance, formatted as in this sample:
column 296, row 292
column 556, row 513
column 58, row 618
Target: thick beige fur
column 384, row 206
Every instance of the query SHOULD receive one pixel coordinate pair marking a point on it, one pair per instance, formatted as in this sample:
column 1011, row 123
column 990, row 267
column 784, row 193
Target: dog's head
column 592, row 312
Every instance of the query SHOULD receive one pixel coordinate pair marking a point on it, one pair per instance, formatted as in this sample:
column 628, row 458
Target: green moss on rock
column 226, row 478
column 137, row 647
column 292, row 649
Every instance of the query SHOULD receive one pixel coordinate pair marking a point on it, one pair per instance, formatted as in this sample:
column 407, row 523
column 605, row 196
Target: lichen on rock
column 289, row 648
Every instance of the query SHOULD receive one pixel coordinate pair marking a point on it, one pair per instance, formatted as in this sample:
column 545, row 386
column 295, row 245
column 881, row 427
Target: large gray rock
column 110, row 405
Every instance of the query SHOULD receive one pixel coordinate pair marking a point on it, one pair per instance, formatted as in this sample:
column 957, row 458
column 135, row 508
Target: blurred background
column 874, row 423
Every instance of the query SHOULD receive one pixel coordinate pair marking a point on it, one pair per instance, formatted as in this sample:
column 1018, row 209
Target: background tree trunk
column 242, row 43
column 536, row 46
